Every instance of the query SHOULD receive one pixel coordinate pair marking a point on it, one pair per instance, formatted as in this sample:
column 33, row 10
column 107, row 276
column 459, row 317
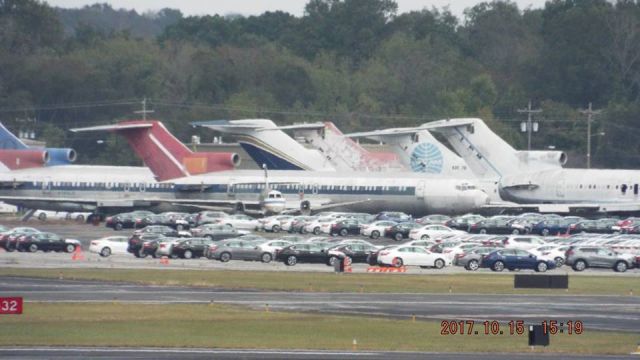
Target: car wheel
column 179, row 227
column 105, row 252
column 344, row 232
column 559, row 261
column 225, row 257
column 579, row 265
column 375, row 234
column 266, row 257
column 424, row 237
column 303, row 231
column 483, row 231
column 210, row 237
column 33, row 248
column 291, row 260
column 439, row 264
column 541, row 267
column 142, row 254
column 188, row 254
column 10, row 249
column 545, row 232
column 138, row 253
column 473, row 265
column 80, row 218
column 398, row 237
column 498, row 266
column 118, row 226
column 70, row 248
column 397, row 262
column 515, row 232
column 316, row 231
column 275, row 228
column 620, row 266
column 42, row 216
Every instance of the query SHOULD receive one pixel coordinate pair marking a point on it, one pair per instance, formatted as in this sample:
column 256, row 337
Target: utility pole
column 144, row 110
column 590, row 113
column 529, row 112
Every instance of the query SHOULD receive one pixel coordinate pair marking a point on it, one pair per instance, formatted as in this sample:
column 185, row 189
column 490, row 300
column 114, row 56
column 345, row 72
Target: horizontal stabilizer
column 113, row 127
column 304, row 126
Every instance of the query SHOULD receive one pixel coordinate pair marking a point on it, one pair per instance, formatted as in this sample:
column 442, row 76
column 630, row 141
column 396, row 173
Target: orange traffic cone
column 77, row 254
column 347, row 265
column 164, row 260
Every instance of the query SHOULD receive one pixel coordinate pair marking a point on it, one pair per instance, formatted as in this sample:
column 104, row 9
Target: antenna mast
column 144, row 110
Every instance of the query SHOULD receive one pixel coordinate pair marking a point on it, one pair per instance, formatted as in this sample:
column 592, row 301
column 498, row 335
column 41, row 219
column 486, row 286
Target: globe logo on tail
column 427, row 158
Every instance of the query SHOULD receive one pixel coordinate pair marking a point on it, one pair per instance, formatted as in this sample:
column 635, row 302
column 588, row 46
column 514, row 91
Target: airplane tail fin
column 163, row 153
column 8, row 141
column 487, row 154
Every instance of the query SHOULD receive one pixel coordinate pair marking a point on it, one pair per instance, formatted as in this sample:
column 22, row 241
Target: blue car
column 552, row 226
column 393, row 216
column 516, row 259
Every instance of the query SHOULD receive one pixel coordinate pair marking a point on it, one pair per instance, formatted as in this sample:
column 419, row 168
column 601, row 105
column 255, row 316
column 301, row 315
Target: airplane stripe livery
column 15, row 154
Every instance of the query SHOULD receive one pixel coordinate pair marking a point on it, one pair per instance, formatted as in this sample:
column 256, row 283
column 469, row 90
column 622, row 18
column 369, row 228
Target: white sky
column 256, row 7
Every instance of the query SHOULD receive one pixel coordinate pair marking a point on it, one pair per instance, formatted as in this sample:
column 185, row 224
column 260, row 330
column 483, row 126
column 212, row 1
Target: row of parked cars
column 32, row 240
column 179, row 221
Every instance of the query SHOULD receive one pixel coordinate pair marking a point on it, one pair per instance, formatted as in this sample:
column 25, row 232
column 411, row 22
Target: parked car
column 472, row 258
column 298, row 224
column 513, row 259
column 352, row 253
column 600, row 226
column 9, row 239
column 522, row 242
column 551, row 252
column 162, row 229
column 623, row 226
column 411, row 255
column 400, row 231
column 165, row 247
column 216, row 231
column 46, row 241
column 242, row 221
column 126, row 220
column 493, row 225
column 434, row 219
column 462, row 222
column 376, row 228
column 190, row 248
column 316, row 225
column 345, row 227
column 372, row 258
column 583, row 257
column 553, row 226
column 271, row 247
column 210, row 217
column 274, row 223
column 136, row 242
column 432, row 232
column 303, row 253
column 394, row 216
column 237, row 249
column 109, row 245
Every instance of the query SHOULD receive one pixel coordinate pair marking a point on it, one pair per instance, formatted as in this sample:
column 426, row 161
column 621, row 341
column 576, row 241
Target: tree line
column 358, row 63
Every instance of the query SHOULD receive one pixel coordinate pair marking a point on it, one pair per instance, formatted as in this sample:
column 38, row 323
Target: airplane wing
column 568, row 208
column 323, row 207
column 304, row 126
column 224, row 124
column 386, row 132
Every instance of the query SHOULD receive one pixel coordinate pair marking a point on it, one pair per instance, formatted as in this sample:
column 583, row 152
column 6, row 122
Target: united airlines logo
column 427, row 158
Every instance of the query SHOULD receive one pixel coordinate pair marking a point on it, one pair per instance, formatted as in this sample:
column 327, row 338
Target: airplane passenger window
column 635, row 189
column 623, row 188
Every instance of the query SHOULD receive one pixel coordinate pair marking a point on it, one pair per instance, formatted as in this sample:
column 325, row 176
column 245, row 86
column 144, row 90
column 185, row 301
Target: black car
column 400, row 231
column 190, row 248
column 497, row 225
column 346, row 227
column 137, row 240
column 355, row 253
column 46, row 242
column 600, row 226
column 9, row 239
column 126, row 220
column 303, row 253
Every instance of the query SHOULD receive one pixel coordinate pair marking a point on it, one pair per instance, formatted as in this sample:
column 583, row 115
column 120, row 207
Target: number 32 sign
column 10, row 305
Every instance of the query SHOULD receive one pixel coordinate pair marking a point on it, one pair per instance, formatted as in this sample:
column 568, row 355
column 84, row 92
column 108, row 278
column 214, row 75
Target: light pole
column 590, row 112
column 601, row 133
column 529, row 127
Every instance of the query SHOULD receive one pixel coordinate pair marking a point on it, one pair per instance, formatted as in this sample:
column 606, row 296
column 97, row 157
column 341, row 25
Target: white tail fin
column 487, row 154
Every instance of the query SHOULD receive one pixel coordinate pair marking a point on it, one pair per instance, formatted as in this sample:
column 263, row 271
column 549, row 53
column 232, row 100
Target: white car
column 410, row 256
column 165, row 246
column 315, row 226
column 109, row 245
column 432, row 232
column 551, row 252
column 242, row 221
column 376, row 228
column 275, row 223
column 522, row 242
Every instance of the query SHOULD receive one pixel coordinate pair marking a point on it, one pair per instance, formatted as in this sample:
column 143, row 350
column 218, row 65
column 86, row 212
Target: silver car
column 582, row 257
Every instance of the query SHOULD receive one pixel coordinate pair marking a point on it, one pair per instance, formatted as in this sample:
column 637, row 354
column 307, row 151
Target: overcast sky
column 255, row 7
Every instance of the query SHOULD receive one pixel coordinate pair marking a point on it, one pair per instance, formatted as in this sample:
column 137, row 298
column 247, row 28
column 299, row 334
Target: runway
column 607, row 313
column 169, row 353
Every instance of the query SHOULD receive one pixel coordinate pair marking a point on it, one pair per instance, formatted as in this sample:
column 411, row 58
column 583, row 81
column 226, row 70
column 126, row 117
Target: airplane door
column 560, row 188
column 231, row 189
column 46, row 186
column 420, row 190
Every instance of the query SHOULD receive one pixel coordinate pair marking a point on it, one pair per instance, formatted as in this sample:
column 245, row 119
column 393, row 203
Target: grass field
column 223, row 326
column 329, row 282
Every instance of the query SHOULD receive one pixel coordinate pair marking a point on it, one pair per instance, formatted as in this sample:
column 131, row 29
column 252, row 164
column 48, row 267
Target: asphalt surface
column 608, row 313
column 157, row 353
column 85, row 233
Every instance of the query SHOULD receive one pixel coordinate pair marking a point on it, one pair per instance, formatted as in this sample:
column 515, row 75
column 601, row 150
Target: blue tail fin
column 10, row 141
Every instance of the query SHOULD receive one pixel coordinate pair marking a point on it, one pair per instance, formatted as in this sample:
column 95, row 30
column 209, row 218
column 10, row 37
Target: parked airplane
column 537, row 177
column 105, row 190
column 15, row 154
column 268, row 144
column 410, row 192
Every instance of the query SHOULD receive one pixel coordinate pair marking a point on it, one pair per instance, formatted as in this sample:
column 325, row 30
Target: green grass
column 329, row 282
column 224, row 326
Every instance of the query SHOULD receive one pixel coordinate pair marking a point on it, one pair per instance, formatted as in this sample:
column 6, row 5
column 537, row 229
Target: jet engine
column 24, row 159
column 58, row 156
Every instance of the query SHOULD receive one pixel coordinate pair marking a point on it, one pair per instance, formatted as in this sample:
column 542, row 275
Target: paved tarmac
column 608, row 313
column 158, row 353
